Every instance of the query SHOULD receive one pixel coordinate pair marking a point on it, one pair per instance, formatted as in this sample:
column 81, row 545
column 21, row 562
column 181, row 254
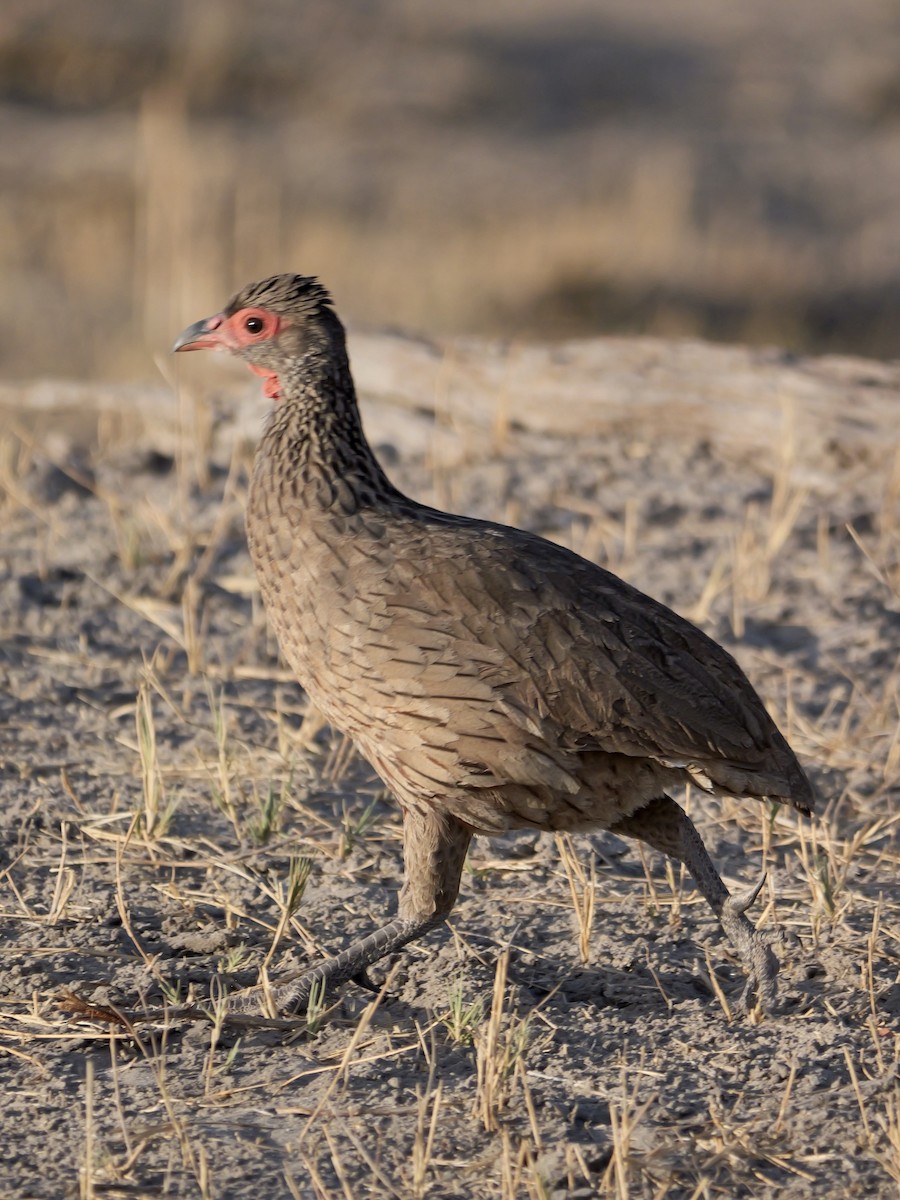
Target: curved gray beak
column 202, row 335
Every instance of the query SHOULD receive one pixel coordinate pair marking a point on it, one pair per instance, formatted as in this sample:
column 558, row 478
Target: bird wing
column 491, row 634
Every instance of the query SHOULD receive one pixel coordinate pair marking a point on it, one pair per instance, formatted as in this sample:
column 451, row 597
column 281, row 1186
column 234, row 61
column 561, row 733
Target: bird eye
column 254, row 324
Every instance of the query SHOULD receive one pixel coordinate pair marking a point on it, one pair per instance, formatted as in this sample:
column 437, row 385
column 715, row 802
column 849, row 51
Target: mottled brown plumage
column 493, row 679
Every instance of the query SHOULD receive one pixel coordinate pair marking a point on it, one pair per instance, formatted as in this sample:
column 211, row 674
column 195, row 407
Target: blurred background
column 518, row 168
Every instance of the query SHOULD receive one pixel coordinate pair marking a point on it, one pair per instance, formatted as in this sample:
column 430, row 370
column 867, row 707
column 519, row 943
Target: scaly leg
column 434, row 850
column 666, row 827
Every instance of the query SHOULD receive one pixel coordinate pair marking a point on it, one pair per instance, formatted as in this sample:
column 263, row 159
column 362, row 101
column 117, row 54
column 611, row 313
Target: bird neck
column 314, row 441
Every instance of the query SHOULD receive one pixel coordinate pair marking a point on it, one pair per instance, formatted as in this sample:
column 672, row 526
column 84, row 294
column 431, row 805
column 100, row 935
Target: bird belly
column 610, row 787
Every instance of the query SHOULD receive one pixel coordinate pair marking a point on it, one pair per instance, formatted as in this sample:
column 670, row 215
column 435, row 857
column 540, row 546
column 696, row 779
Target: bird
column 494, row 680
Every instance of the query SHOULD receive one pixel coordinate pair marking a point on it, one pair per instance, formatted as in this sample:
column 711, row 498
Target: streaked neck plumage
column 314, row 447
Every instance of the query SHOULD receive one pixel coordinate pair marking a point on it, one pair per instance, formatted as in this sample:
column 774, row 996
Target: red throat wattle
column 271, row 387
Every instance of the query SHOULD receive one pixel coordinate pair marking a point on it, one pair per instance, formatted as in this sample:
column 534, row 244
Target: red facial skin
column 232, row 335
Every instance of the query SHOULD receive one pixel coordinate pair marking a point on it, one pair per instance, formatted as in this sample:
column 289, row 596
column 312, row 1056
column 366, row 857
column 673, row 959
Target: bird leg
column 666, row 827
column 434, row 850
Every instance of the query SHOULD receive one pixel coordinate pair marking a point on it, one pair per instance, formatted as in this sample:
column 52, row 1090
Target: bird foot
column 312, row 987
column 281, row 999
column 760, row 964
column 292, row 999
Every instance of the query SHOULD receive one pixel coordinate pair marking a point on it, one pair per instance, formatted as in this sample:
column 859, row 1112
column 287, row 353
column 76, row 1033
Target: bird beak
column 202, row 335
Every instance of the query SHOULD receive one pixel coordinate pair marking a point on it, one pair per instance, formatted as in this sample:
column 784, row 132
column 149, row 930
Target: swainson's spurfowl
column 494, row 680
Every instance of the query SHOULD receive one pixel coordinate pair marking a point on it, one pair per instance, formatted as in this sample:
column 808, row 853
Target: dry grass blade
column 151, row 818
column 625, row 1116
column 65, row 881
column 889, row 1122
column 86, row 1174
column 462, row 1020
column 297, row 878
column 428, row 1111
column 500, row 1046
column 342, row 1072
column 582, row 889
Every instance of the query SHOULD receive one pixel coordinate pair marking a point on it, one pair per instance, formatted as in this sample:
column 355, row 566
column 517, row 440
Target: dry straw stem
column 519, row 1173
column 193, row 1156
column 151, row 817
column 66, row 880
column 746, row 568
column 582, row 889
column 715, row 987
column 342, row 1072
column 889, row 1123
column 601, row 537
column 122, row 907
column 428, row 1112
column 462, row 1020
column 289, row 901
column 625, row 1116
column 499, row 1047
column 86, row 1180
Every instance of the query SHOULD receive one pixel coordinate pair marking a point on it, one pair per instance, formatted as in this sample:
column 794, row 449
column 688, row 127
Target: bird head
column 275, row 326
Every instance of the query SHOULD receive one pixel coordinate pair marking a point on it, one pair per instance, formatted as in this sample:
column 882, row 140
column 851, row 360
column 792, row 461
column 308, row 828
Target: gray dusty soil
column 158, row 778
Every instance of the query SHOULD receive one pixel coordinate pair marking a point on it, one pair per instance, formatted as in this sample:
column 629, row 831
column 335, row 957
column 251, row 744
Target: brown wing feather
column 539, row 641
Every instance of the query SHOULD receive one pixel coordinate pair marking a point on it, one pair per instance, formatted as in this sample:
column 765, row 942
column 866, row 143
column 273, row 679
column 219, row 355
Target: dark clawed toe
column 364, row 980
column 782, row 936
column 761, row 985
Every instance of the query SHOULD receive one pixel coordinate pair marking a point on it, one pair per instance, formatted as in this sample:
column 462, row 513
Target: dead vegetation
column 450, row 168
column 175, row 824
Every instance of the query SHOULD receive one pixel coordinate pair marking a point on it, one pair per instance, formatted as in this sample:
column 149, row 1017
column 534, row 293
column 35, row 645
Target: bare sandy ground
column 164, row 796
